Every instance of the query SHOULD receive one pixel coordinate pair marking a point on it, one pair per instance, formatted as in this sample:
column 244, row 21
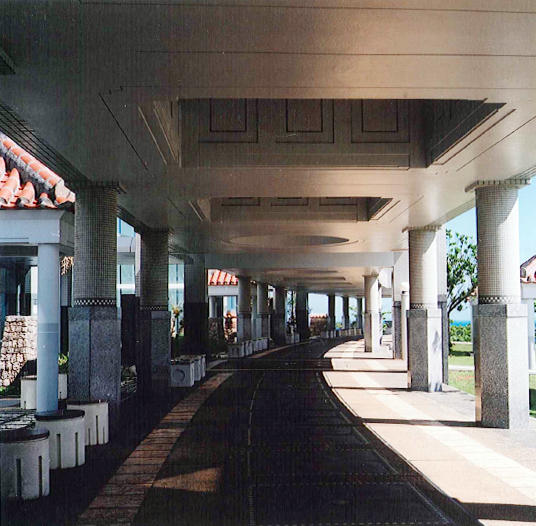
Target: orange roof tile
column 23, row 178
column 219, row 277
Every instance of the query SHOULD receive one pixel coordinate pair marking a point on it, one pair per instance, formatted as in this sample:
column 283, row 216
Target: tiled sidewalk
column 120, row 499
column 491, row 472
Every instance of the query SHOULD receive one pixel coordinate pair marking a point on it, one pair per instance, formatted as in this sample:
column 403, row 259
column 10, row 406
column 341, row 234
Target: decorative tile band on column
column 423, row 305
column 94, row 302
column 154, row 308
column 497, row 300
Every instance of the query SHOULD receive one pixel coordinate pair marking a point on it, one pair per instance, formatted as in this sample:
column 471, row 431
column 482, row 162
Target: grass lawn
column 465, row 381
column 461, row 354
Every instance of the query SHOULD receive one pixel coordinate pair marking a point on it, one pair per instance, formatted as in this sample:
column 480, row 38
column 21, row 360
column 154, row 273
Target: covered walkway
column 318, row 434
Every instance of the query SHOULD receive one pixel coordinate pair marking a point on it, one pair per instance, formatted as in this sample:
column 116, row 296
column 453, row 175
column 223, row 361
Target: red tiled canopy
column 528, row 271
column 27, row 183
column 219, row 277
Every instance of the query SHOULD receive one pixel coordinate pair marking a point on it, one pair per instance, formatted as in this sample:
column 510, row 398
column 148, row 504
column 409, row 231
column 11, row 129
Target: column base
column 280, row 329
column 372, row 332
column 425, row 360
column 155, row 331
column 95, row 356
column 302, row 322
column 216, row 336
column 264, row 325
column 397, row 329
column 501, row 366
column 196, row 327
column 244, row 326
column 442, row 304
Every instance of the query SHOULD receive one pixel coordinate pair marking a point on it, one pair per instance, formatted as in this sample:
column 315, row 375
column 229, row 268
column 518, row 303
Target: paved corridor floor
column 267, row 443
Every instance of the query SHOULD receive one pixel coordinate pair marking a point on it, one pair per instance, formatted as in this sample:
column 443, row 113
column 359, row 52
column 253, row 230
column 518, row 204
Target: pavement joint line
column 469, row 448
column 108, row 515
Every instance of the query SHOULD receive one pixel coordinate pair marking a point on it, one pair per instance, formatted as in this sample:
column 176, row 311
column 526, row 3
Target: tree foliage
column 461, row 269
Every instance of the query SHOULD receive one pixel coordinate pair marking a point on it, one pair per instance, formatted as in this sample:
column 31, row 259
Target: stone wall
column 19, row 344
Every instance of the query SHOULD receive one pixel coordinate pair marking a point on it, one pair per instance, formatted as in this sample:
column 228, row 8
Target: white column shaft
column 498, row 245
column 423, row 269
column 48, row 327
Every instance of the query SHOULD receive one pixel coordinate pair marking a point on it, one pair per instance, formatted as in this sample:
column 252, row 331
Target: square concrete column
column 501, row 362
column 263, row 315
column 425, row 353
column 244, row 309
column 331, row 312
column 372, row 314
column 302, row 314
column 212, row 307
column 400, row 275
column 195, row 304
column 280, row 322
column 359, row 313
column 155, row 317
column 94, row 320
column 345, row 312
column 442, row 297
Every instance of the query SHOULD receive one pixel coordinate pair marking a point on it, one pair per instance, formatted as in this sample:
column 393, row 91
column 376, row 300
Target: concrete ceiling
column 85, row 73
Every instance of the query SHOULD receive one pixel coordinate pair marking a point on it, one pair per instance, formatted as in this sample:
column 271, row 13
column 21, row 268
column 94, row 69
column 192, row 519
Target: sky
column 464, row 224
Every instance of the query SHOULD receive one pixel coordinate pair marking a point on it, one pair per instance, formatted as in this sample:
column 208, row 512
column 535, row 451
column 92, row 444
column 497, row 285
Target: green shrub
column 460, row 333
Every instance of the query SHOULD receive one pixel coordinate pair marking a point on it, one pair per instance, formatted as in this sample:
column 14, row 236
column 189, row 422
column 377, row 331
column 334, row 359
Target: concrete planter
column 236, row 350
column 67, row 442
column 182, row 372
column 28, row 392
column 249, row 347
column 95, row 420
column 197, row 367
column 24, row 463
column 62, row 386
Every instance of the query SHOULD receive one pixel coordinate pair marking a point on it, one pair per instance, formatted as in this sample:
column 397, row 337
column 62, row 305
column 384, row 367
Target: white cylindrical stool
column 24, row 463
column 95, row 419
column 28, row 392
column 62, row 386
column 67, row 442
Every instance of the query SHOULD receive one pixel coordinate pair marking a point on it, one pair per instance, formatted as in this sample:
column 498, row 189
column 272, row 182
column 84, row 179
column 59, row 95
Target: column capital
column 76, row 186
column 505, row 183
column 427, row 228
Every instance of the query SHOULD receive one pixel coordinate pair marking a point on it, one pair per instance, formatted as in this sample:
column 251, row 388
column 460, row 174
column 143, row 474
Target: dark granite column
column 263, row 313
column 359, row 314
column 195, row 305
column 302, row 314
column 345, row 312
column 331, row 312
column 94, row 322
column 155, row 318
column 243, row 320
column 280, row 323
column 397, row 329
